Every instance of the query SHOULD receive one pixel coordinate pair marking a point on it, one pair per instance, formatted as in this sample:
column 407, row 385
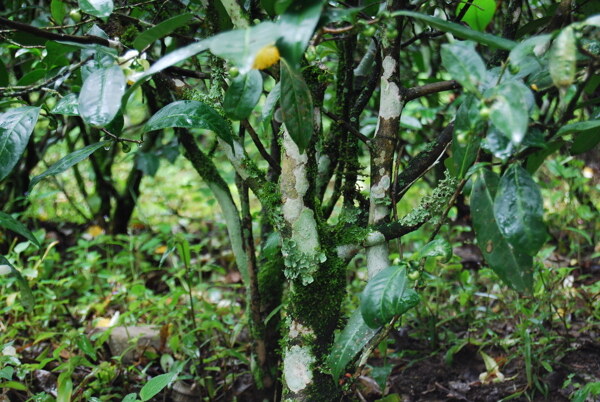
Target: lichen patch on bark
column 297, row 367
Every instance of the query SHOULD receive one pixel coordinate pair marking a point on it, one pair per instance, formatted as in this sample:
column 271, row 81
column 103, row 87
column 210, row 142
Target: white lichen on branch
column 301, row 249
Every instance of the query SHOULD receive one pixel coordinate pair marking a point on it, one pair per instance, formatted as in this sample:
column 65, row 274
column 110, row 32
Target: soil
column 426, row 376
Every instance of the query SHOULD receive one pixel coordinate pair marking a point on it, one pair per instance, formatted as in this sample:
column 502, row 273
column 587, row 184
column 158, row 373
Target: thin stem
column 261, row 149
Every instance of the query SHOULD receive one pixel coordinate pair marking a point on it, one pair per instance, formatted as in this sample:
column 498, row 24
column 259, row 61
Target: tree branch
column 20, row 91
column 261, row 149
column 423, row 161
column 348, row 126
column 428, row 89
column 86, row 40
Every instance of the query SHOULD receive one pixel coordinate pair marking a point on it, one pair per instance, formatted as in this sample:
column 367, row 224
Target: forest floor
column 543, row 348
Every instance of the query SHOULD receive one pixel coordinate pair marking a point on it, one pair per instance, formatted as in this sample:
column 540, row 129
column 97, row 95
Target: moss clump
column 349, row 229
column 129, row 36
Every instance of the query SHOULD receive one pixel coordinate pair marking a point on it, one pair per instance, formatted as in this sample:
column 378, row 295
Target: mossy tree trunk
column 317, row 286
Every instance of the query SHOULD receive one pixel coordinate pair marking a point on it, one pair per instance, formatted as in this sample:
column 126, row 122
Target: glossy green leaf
column 498, row 144
column 190, row 114
column 282, row 5
column 518, row 208
column 155, row 385
column 161, row 30
column 84, row 344
column 585, row 141
column 479, row 15
column 355, row 335
column 13, row 385
column 58, row 10
column 243, row 95
column 10, row 223
column 16, row 126
column 68, row 106
column 65, row 387
column 387, row 294
column 56, row 54
column 130, row 397
column 436, row 248
column 241, row 46
column 464, row 64
column 27, row 298
column 466, row 135
column 535, row 160
column 269, row 6
column 269, row 107
column 32, row 77
column 460, row 30
column 509, row 112
column 514, row 267
column 563, row 57
column 97, row 8
column 580, row 126
column 147, row 162
column 100, row 97
column 588, row 135
column 535, row 46
column 68, row 161
column 594, row 20
column 297, row 26
column 296, row 106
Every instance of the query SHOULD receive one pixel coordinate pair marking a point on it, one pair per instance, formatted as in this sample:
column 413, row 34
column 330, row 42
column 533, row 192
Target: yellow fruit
column 266, row 57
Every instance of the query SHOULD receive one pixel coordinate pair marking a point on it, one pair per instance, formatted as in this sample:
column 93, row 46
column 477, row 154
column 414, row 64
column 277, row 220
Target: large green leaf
column 588, row 135
column 464, row 64
column 466, row 138
column 97, row 8
column 349, row 343
column 16, row 126
column 269, row 107
column 580, row 126
column 241, row 46
column 10, row 223
column 296, row 106
column 511, row 265
column 243, row 94
column 68, row 106
column 479, row 14
column 460, row 30
column 435, row 248
column 100, row 97
column 190, row 114
column 387, row 294
column 498, row 144
column 161, row 30
column 518, row 208
column 27, row 298
column 535, row 160
column 297, row 26
column 563, row 56
column 155, row 385
column 509, row 112
column 533, row 47
column 68, row 161
column 58, row 10
column 56, row 54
